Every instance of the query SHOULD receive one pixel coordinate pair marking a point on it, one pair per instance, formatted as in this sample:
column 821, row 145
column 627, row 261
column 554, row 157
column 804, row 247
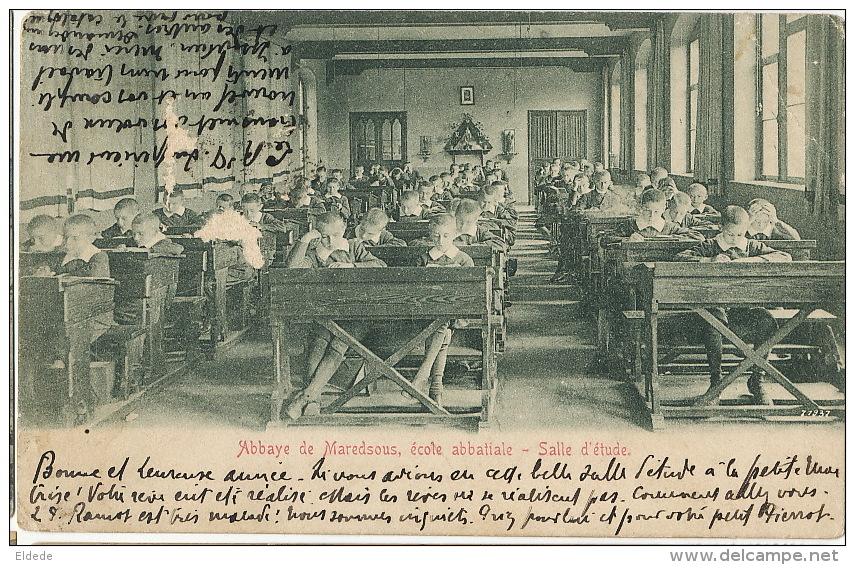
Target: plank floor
column 545, row 375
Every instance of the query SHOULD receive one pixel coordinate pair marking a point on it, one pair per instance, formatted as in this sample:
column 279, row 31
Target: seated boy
column 251, row 205
column 491, row 199
column 124, row 211
column 223, row 203
column 410, row 208
column 174, row 214
column 334, row 201
column 359, row 180
column 45, row 234
column 731, row 245
column 82, row 258
column 325, row 247
column 602, row 197
column 678, row 211
column 147, row 234
column 631, row 199
column 470, row 231
column 764, row 222
column 698, row 193
column 372, row 230
column 430, row 206
column 668, row 186
column 443, row 253
column 656, row 175
column 650, row 221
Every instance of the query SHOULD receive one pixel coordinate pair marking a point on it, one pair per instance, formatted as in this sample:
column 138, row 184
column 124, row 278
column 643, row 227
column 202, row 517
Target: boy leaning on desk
column 753, row 324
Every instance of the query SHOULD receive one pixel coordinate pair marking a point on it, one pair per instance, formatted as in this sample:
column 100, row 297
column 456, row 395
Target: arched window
column 642, row 60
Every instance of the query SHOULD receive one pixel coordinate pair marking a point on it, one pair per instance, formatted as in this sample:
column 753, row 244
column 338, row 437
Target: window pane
column 770, row 30
column 694, row 55
column 770, row 148
column 369, row 141
column 396, row 140
column 615, row 119
column 387, row 140
column 794, row 17
column 796, row 68
column 796, row 141
column 770, row 91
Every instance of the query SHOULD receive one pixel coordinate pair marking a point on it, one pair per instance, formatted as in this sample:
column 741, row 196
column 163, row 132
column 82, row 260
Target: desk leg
column 281, row 372
column 489, row 384
column 219, row 323
column 657, row 419
column 80, row 394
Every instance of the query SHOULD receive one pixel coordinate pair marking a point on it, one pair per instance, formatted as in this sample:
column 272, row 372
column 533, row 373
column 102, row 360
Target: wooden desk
column 409, row 231
column 148, row 283
column 666, row 288
column 482, row 255
column 324, row 297
column 59, row 317
column 300, row 219
column 619, row 258
column 363, row 199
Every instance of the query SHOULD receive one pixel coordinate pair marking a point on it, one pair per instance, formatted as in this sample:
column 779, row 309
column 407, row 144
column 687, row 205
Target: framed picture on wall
column 467, row 95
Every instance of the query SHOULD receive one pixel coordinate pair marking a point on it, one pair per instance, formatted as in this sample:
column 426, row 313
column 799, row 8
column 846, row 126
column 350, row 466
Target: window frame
column 690, row 147
column 785, row 30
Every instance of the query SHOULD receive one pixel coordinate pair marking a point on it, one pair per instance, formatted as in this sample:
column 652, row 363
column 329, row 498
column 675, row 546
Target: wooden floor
column 545, row 375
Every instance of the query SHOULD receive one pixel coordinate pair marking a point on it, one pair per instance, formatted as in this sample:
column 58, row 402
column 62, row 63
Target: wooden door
column 378, row 137
column 552, row 134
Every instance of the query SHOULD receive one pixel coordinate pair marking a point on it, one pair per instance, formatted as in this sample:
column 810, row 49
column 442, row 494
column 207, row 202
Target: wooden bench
column 363, row 199
column 325, row 297
column 300, row 218
column 59, row 317
column 669, row 288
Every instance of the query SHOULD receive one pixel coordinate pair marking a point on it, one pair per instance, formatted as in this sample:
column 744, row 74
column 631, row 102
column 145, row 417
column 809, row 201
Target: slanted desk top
column 692, row 285
column 381, row 293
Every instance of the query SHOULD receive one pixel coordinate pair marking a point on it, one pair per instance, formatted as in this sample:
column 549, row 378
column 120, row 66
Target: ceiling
column 359, row 40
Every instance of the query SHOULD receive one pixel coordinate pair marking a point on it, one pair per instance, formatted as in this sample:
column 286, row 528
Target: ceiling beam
column 349, row 67
column 594, row 46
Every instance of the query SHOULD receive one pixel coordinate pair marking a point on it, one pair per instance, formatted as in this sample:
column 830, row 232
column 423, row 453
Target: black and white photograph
column 549, row 274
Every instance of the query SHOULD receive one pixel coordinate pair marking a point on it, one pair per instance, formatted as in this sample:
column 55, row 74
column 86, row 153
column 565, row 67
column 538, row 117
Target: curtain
column 627, row 111
column 659, row 99
column 824, row 183
column 710, row 145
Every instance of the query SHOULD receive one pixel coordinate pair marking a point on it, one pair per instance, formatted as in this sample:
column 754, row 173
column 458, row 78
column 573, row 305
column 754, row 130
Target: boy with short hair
column 147, row 234
column 731, row 245
column 45, row 234
column 656, row 175
column 698, row 193
column 334, row 201
column 443, row 253
column 678, row 210
column 325, row 247
column 372, row 230
column 251, row 209
column 470, row 230
column 320, row 180
column 425, row 192
column 410, row 208
column 225, row 202
column 124, row 211
column 82, row 258
column 174, row 214
column 602, row 197
column 650, row 221
column 764, row 222
column 359, row 180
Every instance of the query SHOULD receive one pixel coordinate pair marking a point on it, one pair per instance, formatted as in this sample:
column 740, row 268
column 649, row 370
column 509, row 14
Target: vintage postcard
column 632, row 327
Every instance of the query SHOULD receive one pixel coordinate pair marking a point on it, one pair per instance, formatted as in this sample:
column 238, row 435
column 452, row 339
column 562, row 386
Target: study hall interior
column 186, row 178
